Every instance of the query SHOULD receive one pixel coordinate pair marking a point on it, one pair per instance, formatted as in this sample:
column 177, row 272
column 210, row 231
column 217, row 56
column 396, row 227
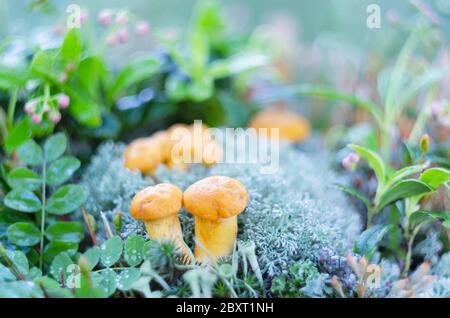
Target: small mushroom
column 215, row 203
column 143, row 154
column 158, row 207
column 292, row 126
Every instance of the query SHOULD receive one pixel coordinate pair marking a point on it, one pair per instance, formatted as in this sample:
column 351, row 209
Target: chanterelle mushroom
column 158, row 207
column 143, row 154
column 215, row 202
column 291, row 125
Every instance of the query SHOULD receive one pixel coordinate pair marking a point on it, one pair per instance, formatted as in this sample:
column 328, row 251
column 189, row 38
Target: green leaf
column 86, row 111
column 6, row 274
column 69, row 232
column 23, row 178
column 134, row 250
column 60, row 267
column 62, row 170
column 127, row 278
column 111, row 251
column 370, row 238
column 329, row 93
column 55, row 146
column 19, row 260
column 237, row 64
column 135, row 72
column 12, row 77
column 52, row 288
column 30, row 153
column 43, row 63
column 71, row 47
column 20, row 134
column 89, row 73
column 434, row 177
column 108, row 281
column 355, row 193
column 424, row 216
column 404, row 172
column 67, row 199
column 55, row 248
column 90, row 287
column 23, row 201
column 403, row 189
column 93, row 256
column 24, row 234
column 374, row 161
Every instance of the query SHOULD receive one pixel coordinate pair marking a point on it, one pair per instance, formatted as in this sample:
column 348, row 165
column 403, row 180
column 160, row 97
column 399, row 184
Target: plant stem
column 409, row 251
column 370, row 214
column 44, row 176
column 12, row 108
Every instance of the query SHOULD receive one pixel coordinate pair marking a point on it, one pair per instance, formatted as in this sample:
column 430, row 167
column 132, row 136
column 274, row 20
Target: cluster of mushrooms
column 214, row 202
column 291, row 126
column 170, row 146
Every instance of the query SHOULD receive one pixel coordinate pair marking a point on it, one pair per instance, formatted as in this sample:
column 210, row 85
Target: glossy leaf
column 23, row 201
column 108, row 281
column 30, row 153
column 404, row 172
column 403, row 189
column 71, row 47
column 66, row 199
column 54, row 248
column 69, row 232
column 127, row 278
column 55, row 146
column 135, row 72
column 374, row 161
column 62, row 170
column 23, row 178
column 19, row 260
column 24, row 234
column 355, row 193
column 434, row 177
column 111, row 251
column 424, row 216
column 134, row 250
column 61, row 267
column 20, row 134
column 370, row 238
column 92, row 255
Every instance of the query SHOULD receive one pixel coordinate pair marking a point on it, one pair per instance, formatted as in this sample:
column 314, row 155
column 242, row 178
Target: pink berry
column 84, row 16
column 30, row 107
column 122, row 18
column 55, row 117
column 105, row 17
column 123, row 36
column 63, row 101
column 112, row 40
column 62, row 77
column 350, row 161
column 36, row 118
column 142, row 28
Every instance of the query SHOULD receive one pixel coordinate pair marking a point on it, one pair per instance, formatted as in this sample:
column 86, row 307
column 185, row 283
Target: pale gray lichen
column 430, row 247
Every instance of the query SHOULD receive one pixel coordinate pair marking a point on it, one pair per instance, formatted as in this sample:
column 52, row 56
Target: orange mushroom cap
column 291, row 125
column 156, row 202
column 216, row 197
column 143, row 154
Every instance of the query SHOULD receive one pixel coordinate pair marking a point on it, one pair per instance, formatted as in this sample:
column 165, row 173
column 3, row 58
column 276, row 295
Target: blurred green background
column 347, row 18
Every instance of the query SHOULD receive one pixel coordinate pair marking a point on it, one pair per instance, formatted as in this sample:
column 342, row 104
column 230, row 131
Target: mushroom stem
column 216, row 238
column 167, row 228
